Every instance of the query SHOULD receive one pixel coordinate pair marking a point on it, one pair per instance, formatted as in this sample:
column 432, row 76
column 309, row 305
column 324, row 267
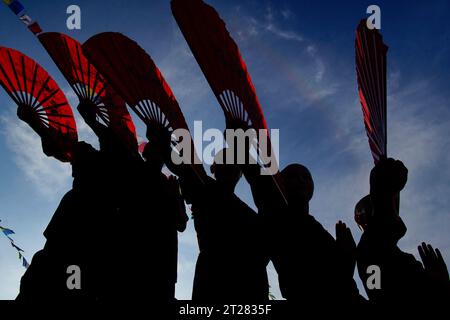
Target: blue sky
column 300, row 55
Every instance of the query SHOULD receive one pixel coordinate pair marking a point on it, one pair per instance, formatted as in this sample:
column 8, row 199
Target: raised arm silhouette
column 404, row 281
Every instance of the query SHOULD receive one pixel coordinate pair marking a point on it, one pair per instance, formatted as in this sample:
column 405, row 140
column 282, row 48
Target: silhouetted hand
column 433, row 262
column 25, row 113
column 388, row 178
column 233, row 123
column 347, row 247
column 88, row 111
column 249, row 161
column 32, row 118
column 160, row 137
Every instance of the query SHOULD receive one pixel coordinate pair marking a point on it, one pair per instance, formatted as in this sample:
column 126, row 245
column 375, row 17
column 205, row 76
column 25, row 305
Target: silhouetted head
column 226, row 174
column 85, row 164
column 363, row 212
column 51, row 145
column 299, row 186
column 114, row 152
column 153, row 157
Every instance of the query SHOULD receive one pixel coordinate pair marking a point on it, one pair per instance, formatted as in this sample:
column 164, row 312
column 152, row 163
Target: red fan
column 134, row 75
column 220, row 60
column 38, row 95
column 371, row 75
column 89, row 85
column 221, row 63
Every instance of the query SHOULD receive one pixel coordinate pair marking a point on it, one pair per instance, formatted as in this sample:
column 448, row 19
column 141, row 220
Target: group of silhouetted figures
column 120, row 220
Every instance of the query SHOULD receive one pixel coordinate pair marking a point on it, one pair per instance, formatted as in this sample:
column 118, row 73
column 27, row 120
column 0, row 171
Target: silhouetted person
column 404, row 282
column 46, row 278
column 231, row 265
column 312, row 268
column 150, row 210
column 69, row 238
column 83, row 230
column 125, row 230
column 163, row 215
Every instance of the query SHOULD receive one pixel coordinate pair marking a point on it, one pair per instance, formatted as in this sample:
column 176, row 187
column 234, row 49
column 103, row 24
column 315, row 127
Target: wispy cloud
column 269, row 24
column 320, row 66
column 268, row 39
column 287, row 13
column 284, row 34
column 47, row 174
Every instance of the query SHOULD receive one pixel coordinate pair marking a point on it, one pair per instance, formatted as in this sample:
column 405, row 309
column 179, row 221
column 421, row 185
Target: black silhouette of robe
column 231, row 265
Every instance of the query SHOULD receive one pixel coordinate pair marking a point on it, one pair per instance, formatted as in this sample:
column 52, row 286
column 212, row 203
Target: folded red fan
column 371, row 75
column 220, row 60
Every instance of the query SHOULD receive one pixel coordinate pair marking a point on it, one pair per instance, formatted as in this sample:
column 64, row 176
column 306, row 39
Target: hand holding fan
column 220, row 60
column 94, row 94
column 371, row 75
column 99, row 104
column 40, row 101
column 135, row 77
